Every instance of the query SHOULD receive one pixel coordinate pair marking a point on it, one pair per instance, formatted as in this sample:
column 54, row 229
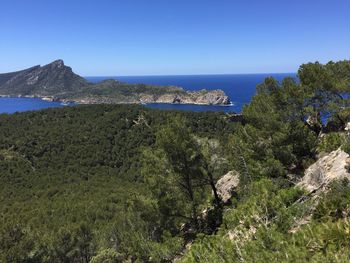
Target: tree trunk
column 193, row 203
column 215, row 192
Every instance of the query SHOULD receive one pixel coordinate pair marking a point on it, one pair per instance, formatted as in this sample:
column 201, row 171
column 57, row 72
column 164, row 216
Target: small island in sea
column 57, row 82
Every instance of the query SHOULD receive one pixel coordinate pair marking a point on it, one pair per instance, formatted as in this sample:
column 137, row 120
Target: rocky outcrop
column 50, row 80
column 203, row 97
column 144, row 98
column 327, row 169
column 347, row 127
column 226, row 185
column 58, row 82
column 214, row 97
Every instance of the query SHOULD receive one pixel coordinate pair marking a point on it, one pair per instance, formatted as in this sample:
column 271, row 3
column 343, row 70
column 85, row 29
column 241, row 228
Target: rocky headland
column 58, row 82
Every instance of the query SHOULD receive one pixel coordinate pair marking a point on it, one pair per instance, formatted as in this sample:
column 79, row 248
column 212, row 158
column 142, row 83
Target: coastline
column 58, row 83
column 90, row 101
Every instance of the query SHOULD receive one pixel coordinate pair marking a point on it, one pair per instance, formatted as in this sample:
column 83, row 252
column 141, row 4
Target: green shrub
column 346, row 148
column 330, row 142
column 107, row 256
column 336, row 203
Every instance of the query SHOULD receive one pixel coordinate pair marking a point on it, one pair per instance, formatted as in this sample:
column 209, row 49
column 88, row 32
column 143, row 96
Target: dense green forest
column 109, row 183
column 71, row 183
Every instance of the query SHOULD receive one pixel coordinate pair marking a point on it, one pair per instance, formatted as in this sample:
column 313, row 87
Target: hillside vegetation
column 71, row 183
column 105, row 183
column 272, row 219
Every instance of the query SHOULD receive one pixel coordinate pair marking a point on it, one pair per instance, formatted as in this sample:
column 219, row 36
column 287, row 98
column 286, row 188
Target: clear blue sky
column 150, row 37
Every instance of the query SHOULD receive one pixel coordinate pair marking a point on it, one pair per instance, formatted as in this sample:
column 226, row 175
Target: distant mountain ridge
column 56, row 81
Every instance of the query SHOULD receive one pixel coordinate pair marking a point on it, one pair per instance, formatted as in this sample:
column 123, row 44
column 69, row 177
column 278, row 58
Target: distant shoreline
column 52, row 99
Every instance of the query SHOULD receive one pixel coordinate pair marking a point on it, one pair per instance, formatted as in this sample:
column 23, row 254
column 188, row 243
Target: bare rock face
column 326, row 170
column 49, row 80
column 347, row 127
column 214, row 97
column 227, row 184
column 202, row 97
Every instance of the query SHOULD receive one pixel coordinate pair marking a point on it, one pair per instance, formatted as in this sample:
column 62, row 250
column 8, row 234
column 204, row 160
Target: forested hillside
column 286, row 209
column 71, row 183
column 105, row 183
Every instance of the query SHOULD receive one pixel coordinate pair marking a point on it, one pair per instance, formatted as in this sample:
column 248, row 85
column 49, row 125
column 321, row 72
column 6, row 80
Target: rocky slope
column 56, row 81
column 50, row 80
column 330, row 167
column 227, row 184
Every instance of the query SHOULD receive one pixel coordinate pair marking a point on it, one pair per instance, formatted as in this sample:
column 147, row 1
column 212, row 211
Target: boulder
column 226, row 185
column 347, row 127
column 327, row 169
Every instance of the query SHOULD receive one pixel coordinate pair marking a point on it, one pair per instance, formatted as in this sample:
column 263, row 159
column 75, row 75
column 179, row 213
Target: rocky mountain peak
column 50, row 80
column 59, row 63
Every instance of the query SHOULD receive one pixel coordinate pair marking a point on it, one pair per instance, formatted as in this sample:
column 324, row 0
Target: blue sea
column 12, row 105
column 239, row 87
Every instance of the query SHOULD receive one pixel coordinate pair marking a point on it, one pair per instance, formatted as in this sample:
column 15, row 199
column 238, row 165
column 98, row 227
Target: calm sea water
column 12, row 105
column 240, row 89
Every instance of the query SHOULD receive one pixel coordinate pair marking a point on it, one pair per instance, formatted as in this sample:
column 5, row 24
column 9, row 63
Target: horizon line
column 176, row 75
